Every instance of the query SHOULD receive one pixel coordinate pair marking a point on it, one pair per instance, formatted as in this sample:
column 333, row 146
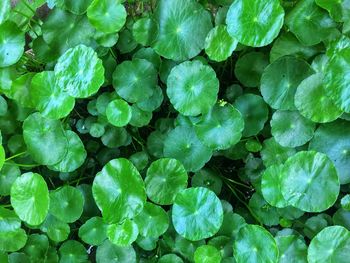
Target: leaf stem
column 15, row 156
column 23, row 165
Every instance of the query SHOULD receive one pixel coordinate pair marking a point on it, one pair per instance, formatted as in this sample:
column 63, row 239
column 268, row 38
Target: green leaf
column 207, row 254
column 164, row 179
column 12, row 240
column 182, row 144
column 192, row 88
column 143, row 29
column 207, row 178
column 55, row 229
column 73, row 251
column 93, row 231
column 8, row 174
column 219, row 45
column 291, row 248
column 118, row 113
column 45, row 138
column 76, row 7
column 254, row 244
column 310, row 181
column 250, row 67
column 345, row 202
column 254, row 112
column 107, row 16
column 271, row 183
column 330, row 245
column 153, row 102
column 75, row 156
column 335, row 79
column 333, row 140
column 197, row 213
column 66, row 203
column 48, row 97
column 113, row 193
column 30, row 198
column 338, row 9
column 176, row 21
column 290, row 129
column 5, row 8
column 79, row 72
column 135, row 80
column 221, row 127
column 255, row 23
column 123, row 234
column 281, row 79
column 309, row 23
column 311, row 101
column 109, row 252
column 153, row 221
column 63, row 30
column 11, row 44
column 170, row 258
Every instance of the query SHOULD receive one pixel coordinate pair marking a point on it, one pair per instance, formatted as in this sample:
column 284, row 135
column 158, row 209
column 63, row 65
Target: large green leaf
column 11, row 44
column 312, row 102
column 49, row 98
column 192, row 88
column 135, row 80
column 197, row 213
column 177, row 20
column 221, row 127
column 333, row 140
column 66, row 203
column 165, row 178
column 119, row 191
column 310, row 181
column 107, row 16
column 30, row 198
column 281, row 79
column 332, row 244
column 255, row 23
column 45, row 139
column 80, row 72
column 254, row 244
column 182, row 144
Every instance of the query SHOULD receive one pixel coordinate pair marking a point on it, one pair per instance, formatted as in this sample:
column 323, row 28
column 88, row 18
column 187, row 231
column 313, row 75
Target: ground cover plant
column 175, row 131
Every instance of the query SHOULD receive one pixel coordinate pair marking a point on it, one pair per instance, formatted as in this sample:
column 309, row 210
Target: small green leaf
column 73, row 251
column 118, row 113
column 93, row 231
column 124, row 234
column 207, row 254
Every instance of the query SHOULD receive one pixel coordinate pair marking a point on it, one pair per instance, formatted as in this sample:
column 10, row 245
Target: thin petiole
column 15, row 156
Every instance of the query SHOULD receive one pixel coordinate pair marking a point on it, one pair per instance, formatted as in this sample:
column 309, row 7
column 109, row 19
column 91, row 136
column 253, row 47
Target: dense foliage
column 175, row 131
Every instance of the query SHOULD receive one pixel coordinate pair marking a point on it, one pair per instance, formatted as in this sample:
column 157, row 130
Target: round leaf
column 197, row 213
column 165, row 178
column 183, row 145
column 219, row 45
column 310, row 181
column 153, row 221
column 80, row 72
column 48, row 97
column 135, row 80
column 254, row 244
column 93, row 231
column 333, row 140
column 66, row 203
column 107, row 16
column 332, row 244
column 73, row 251
column 255, row 23
column 119, row 191
column 221, row 127
column 109, row 252
column 207, row 254
column 123, row 234
column 290, row 129
column 192, row 88
column 311, row 101
column 45, row 139
column 75, row 156
column 118, row 113
column 176, row 21
column 11, row 44
column 291, row 248
column 30, row 198
column 281, row 79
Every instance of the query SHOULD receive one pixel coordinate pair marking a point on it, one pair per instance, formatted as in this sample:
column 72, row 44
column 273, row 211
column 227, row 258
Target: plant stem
column 15, row 156
column 22, row 165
